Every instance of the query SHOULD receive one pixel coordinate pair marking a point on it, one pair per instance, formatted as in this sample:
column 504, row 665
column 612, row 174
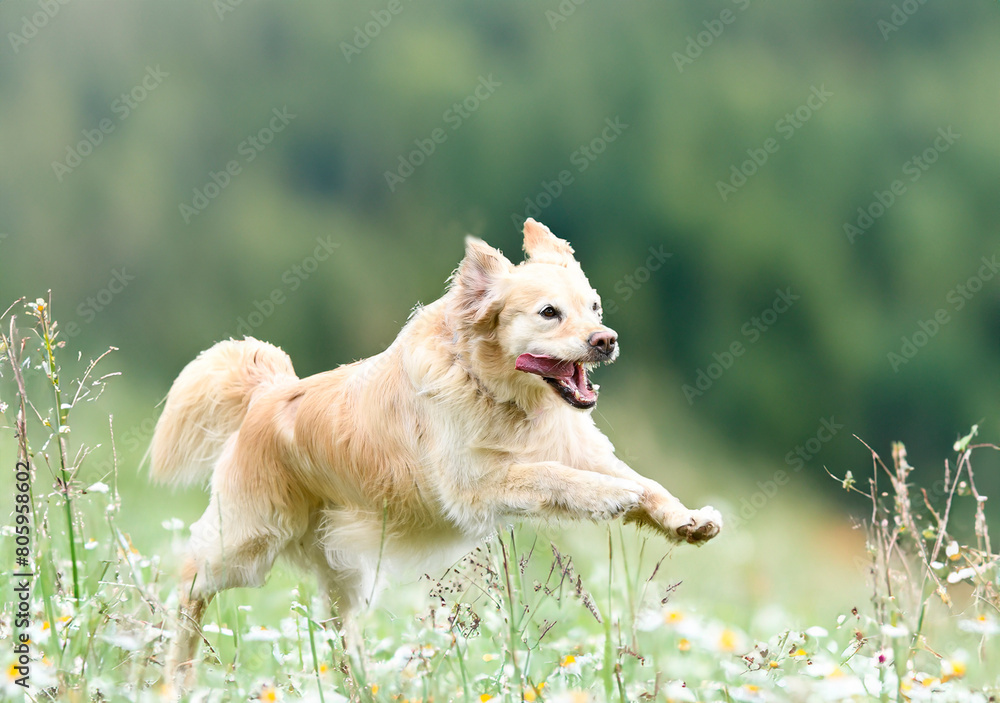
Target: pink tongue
column 545, row 366
column 573, row 375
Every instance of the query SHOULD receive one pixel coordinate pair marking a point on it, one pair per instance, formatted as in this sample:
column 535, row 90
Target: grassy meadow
column 793, row 605
column 789, row 209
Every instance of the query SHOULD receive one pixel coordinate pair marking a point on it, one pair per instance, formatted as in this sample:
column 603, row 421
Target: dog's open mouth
column 567, row 377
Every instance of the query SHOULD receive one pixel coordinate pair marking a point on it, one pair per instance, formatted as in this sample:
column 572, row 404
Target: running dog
column 478, row 413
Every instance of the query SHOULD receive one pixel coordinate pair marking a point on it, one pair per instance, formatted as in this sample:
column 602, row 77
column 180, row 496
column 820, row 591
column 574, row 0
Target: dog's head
column 538, row 322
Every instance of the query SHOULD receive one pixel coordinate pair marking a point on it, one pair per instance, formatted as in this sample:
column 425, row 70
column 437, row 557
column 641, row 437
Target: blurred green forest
column 614, row 124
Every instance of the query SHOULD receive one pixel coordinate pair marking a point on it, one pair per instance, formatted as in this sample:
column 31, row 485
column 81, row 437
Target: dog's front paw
column 695, row 526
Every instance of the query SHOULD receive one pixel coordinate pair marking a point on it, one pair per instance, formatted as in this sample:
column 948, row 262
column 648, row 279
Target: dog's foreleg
column 660, row 510
column 553, row 490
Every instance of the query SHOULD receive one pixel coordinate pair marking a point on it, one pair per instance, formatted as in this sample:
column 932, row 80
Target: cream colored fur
column 431, row 443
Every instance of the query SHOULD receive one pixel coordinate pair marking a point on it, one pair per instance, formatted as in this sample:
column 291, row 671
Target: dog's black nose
column 605, row 341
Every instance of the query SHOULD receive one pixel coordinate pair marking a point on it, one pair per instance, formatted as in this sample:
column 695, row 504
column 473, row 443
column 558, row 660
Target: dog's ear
column 543, row 247
column 477, row 279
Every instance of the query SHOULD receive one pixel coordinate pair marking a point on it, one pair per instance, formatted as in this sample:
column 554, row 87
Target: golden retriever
column 479, row 412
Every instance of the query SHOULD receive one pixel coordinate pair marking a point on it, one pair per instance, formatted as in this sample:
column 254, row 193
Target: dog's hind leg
column 179, row 676
column 232, row 545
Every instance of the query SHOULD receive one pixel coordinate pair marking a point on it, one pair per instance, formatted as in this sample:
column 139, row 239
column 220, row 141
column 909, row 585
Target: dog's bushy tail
column 206, row 406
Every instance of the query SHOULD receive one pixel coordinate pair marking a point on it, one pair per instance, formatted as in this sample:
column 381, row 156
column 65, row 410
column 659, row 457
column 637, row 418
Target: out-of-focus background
column 790, row 209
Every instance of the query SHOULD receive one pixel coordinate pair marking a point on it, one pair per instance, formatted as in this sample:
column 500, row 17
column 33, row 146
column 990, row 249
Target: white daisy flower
column 962, row 574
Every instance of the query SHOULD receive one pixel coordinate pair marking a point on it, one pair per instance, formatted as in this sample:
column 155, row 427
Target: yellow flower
column 952, row 669
column 684, row 644
column 773, row 665
column 323, row 667
column 672, row 617
column 489, row 657
column 374, row 688
column 800, row 652
column 727, row 641
column 568, row 660
column 485, row 697
column 268, row 694
column 531, row 692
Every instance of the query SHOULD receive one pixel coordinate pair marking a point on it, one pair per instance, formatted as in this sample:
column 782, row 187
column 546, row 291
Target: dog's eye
column 549, row 312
